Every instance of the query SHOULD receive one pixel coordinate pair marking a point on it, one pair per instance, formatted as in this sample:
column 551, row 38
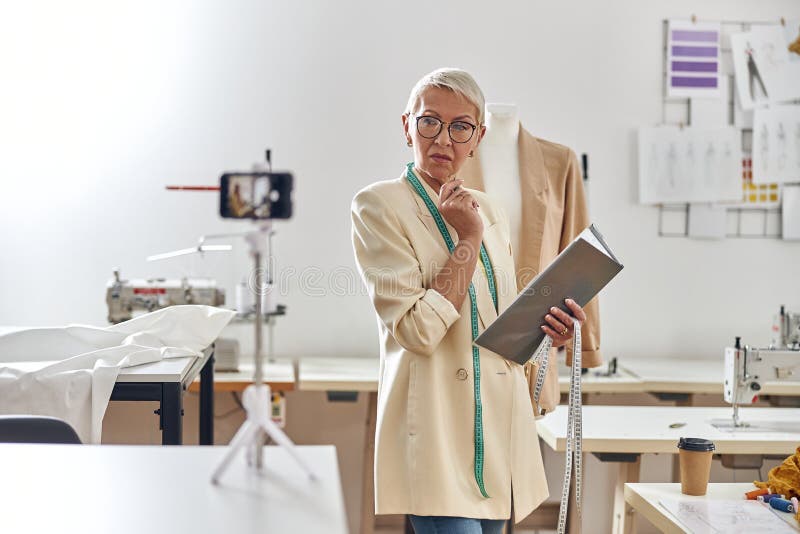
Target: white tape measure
column 574, row 424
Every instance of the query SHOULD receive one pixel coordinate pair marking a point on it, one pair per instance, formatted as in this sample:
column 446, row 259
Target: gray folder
column 579, row 273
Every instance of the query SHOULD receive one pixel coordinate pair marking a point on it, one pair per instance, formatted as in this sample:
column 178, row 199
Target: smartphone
column 255, row 195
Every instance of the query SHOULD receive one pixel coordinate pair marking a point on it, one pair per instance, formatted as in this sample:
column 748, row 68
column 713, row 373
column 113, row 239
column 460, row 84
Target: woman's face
column 440, row 158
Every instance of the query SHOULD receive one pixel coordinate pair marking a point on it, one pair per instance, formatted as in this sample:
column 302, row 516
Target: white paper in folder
column 69, row 372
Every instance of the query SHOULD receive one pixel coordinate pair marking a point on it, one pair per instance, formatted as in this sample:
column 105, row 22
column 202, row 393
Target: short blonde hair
column 457, row 80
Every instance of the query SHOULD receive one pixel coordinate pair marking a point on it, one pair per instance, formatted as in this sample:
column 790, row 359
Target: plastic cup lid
column 696, row 444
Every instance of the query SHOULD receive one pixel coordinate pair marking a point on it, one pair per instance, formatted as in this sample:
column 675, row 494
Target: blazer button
column 462, row 374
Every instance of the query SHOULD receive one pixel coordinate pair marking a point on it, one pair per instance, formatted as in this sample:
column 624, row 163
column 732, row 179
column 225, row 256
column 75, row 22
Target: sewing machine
column 123, row 297
column 747, row 368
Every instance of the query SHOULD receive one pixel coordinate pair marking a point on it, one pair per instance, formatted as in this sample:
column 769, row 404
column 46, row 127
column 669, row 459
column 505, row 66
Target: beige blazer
column 553, row 213
column 424, row 461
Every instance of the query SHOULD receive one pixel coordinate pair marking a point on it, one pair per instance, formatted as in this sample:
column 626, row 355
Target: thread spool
column 268, row 299
column 245, row 298
column 753, row 495
column 768, row 497
column 781, row 504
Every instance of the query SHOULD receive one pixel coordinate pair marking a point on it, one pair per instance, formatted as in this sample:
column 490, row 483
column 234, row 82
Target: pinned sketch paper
column 790, row 214
column 707, row 221
column 765, row 72
column 781, row 73
column 708, row 516
column 776, row 144
column 689, row 164
column 693, row 59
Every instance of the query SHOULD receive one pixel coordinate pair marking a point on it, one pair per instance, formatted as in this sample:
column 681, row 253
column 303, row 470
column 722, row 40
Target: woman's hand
column 559, row 325
column 460, row 210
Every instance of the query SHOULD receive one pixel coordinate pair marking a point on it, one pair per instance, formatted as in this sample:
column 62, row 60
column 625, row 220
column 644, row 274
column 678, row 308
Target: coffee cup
column 695, row 461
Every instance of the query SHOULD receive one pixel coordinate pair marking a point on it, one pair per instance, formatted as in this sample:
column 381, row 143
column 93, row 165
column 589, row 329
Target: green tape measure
column 476, row 359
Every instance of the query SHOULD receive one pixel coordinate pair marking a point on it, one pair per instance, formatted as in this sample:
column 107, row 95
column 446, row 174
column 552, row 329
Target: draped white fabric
column 69, row 372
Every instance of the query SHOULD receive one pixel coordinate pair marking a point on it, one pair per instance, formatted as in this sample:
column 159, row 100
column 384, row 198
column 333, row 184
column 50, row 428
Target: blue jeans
column 431, row 524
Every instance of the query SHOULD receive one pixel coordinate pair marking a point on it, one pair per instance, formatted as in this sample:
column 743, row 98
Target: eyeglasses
column 459, row 131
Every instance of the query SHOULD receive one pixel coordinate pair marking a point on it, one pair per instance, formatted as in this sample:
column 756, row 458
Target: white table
column 623, row 433
column 598, row 381
column 690, row 376
column 361, row 374
column 279, row 375
column 644, row 498
column 165, row 382
column 133, row 489
column 339, row 374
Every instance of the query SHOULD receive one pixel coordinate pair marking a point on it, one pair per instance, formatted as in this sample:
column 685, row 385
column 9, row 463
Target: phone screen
column 260, row 195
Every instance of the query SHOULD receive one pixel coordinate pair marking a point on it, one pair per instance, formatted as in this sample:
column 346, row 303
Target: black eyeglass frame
column 449, row 125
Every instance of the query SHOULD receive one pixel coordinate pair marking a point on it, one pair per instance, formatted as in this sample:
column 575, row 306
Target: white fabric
column 69, row 372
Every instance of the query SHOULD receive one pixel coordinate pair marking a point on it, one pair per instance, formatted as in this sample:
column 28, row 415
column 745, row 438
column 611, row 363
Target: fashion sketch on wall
column 766, row 73
column 776, row 144
column 689, row 164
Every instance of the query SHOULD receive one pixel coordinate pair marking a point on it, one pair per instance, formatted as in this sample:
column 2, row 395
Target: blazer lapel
column 533, row 179
column 533, row 186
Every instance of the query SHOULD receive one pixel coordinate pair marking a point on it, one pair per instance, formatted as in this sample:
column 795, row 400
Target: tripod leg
column 284, row 441
column 243, row 436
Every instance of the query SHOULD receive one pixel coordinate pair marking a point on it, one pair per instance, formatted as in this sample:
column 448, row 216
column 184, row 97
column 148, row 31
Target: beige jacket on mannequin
column 424, row 444
column 553, row 213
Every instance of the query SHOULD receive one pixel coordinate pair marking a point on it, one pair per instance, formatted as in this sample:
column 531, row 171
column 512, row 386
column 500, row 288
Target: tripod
column 257, row 396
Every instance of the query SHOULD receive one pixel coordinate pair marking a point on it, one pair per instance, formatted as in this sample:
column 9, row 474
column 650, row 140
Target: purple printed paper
column 693, row 59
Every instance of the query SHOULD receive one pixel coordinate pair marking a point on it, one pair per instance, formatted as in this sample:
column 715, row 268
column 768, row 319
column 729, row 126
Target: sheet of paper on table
column 726, row 517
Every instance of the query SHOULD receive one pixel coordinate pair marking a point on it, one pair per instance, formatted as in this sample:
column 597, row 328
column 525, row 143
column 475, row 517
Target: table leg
column 622, row 522
column 367, row 480
column 207, row 402
column 676, row 468
column 172, row 413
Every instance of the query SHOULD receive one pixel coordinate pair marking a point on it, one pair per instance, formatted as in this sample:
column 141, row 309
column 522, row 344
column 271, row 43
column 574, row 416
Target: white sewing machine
column 123, row 297
column 747, row 368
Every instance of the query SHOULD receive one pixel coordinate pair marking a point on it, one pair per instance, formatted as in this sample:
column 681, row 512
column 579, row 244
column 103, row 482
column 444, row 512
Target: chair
column 36, row 429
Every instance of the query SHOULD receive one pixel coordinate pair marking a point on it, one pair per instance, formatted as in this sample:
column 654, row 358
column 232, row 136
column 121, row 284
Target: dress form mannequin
column 499, row 157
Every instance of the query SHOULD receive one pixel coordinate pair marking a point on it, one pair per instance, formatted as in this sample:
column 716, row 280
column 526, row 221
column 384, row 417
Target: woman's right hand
column 460, row 209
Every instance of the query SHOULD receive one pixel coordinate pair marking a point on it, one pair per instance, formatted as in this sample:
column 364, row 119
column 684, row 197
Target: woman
column 456, row 436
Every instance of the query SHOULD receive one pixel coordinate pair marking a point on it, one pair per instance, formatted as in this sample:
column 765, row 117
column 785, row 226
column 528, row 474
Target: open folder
column 579, row 272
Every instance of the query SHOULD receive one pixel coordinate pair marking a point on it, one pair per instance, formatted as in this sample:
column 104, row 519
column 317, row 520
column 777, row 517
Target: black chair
column 36, row 429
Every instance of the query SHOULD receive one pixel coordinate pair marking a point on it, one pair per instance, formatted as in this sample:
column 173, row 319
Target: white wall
column 104, row 103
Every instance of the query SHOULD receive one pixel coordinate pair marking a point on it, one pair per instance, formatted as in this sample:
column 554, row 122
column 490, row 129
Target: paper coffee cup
column 695, row 461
